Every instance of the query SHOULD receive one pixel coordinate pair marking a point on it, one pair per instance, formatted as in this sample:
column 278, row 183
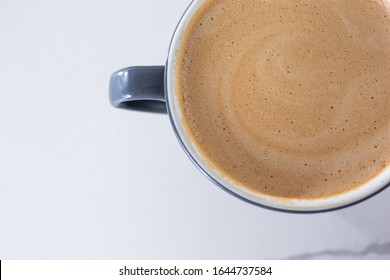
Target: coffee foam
column 289, row 98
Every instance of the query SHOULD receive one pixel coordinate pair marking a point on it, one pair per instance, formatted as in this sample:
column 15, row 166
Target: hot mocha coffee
column 289, row 98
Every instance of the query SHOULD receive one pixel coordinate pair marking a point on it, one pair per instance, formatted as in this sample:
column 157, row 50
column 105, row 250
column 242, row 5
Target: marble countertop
column 82, row 180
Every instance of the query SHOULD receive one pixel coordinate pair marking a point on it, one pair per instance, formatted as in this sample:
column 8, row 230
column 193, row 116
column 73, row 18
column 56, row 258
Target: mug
column 152, row 89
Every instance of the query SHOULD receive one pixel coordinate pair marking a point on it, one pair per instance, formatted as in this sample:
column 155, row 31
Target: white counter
column 82, row 180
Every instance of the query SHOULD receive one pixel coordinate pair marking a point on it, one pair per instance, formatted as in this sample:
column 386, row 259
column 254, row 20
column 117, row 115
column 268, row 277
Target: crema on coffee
column 289, row 98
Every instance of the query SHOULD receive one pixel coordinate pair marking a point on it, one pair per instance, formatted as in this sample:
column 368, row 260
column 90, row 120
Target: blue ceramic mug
column 152, row 89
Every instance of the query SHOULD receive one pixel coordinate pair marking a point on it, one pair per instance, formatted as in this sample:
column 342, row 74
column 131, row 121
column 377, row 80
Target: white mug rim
column 343, row 200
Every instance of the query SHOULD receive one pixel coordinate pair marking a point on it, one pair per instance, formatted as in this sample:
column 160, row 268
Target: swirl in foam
column 289, row 98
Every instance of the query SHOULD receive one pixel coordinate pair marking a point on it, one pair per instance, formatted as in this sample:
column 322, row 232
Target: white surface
column 82, row 180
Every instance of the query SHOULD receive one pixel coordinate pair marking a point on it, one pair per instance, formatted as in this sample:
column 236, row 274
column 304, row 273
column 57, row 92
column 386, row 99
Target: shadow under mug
column 152, row 89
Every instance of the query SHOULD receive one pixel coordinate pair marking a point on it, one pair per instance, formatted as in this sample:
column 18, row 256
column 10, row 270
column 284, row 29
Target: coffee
column 289, row 98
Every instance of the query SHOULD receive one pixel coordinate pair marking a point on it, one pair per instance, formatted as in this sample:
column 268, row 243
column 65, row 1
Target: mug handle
column 139, row 88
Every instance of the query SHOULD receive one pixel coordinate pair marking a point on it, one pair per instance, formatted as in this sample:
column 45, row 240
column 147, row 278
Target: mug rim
column 332, row 203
